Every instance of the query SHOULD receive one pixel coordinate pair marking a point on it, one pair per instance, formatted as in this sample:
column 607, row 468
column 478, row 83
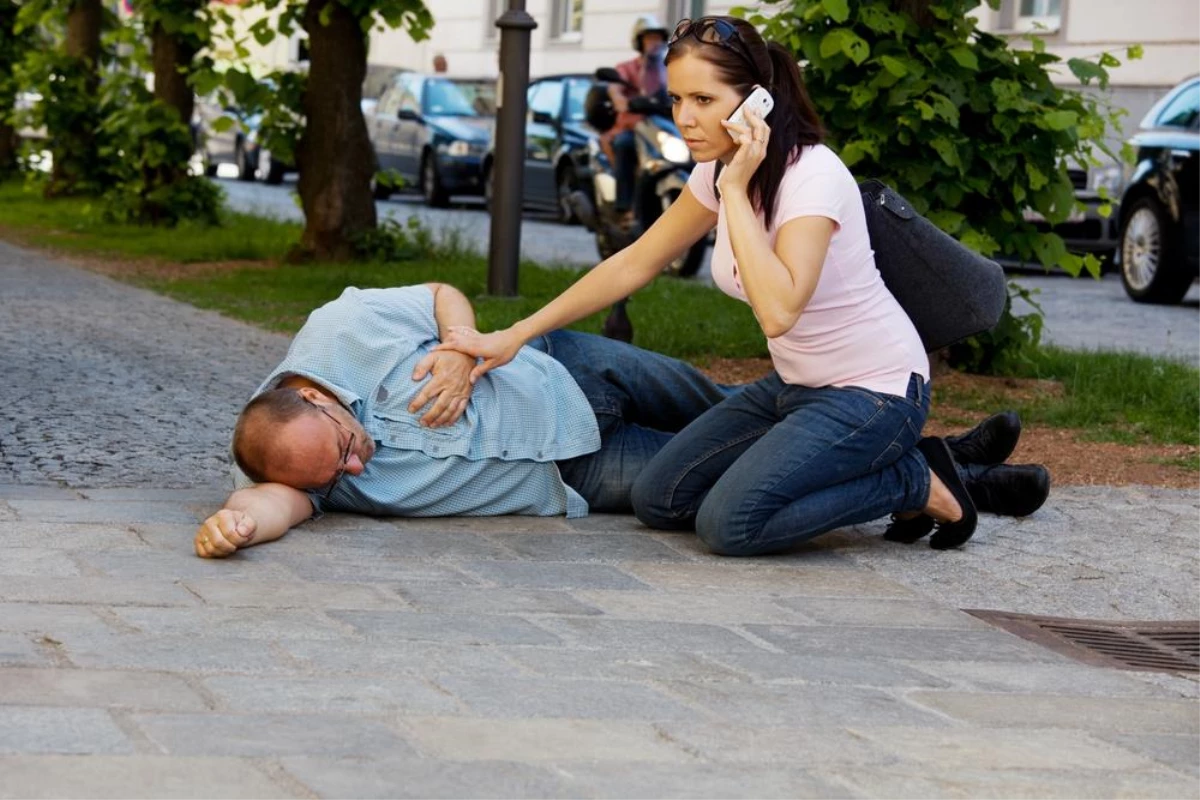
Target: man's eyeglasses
column 346, row 452
column 714, row 30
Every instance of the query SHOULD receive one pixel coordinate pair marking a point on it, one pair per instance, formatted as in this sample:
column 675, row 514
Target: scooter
column 664, row 164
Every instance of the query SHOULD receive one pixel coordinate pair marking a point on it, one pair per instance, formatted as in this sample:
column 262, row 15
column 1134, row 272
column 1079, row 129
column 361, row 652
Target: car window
column 1183, row 111
column 444, row 97
column 481, row 94
column 410, row 90
column 548, row 98
column 389, row 104
column 577, row 91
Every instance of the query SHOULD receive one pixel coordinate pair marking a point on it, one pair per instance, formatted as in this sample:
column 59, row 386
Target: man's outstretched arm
column 260, row 513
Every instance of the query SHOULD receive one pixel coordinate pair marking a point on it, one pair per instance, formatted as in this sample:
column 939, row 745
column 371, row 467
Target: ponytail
column 794, row 124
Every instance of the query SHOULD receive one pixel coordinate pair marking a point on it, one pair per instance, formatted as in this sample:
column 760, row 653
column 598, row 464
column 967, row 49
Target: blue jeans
column 775, row 465
column 640, row 399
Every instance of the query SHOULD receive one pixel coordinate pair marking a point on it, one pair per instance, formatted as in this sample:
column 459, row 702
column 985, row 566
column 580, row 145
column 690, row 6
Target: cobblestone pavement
column 517, row 657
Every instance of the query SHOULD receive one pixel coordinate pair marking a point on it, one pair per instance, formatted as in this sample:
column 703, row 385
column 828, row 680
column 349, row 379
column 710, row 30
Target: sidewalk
column 517, row 657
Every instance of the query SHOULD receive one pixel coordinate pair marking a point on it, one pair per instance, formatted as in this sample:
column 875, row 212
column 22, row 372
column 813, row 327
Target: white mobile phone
column 760, row 100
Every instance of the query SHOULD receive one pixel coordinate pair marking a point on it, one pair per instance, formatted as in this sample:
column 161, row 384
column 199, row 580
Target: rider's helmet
column 647, row 23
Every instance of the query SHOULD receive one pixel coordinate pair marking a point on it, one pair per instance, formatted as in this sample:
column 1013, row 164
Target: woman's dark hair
column 743, row 63
column 259, row 420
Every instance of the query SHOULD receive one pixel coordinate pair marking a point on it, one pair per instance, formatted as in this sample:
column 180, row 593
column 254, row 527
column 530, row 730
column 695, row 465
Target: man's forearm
column 451, row 309
column 274, row 507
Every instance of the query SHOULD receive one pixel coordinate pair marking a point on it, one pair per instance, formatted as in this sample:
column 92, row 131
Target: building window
column 566, row 20
column 1039, row 14
column 493, row 10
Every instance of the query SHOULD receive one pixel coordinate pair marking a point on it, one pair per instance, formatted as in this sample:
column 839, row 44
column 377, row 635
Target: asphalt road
column 1080, row 313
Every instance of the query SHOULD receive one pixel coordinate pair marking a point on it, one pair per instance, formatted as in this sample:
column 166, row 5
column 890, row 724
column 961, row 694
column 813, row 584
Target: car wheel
column 567, row 183
column 431, row 183
column 210, row 166
column 270, row 171
column 245, row 171
column 1150, row 267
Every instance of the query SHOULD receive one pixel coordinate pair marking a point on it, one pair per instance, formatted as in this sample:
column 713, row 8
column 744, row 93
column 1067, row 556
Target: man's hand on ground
column 223, row 533
column 448, row 390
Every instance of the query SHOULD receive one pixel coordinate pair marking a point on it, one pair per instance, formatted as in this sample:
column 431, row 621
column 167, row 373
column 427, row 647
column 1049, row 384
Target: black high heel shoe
column 949, row 534
column 908, row 531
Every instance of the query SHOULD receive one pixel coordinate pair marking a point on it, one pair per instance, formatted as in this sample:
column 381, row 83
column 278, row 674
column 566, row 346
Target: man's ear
column 313, row 395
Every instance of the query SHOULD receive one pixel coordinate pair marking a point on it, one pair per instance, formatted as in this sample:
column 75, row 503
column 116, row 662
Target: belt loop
column 920, row 383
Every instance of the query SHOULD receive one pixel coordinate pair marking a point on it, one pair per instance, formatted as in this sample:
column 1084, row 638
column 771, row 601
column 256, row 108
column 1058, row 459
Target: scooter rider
column 644, row 92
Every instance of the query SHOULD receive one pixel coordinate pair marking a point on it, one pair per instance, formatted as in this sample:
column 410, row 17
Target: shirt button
column 504, row 454
column 539, row 453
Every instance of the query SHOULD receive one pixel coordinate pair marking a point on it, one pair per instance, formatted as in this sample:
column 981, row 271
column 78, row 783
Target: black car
column 1159, row 237
column 433, row 131
column 559, row 144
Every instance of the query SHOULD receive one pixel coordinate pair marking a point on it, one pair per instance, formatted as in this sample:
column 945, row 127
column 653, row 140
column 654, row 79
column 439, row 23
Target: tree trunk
column 173, row 55
column 10, row 50
column 74, row 146
column 918, row 10
column 9, row 146
column 334, row 153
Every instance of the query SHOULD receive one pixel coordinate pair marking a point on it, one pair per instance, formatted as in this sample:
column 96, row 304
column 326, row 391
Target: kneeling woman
column 832, row 436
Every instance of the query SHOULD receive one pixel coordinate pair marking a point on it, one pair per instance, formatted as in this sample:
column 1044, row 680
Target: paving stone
column 38, row 562
column 275, row 595
column 155, row 566
column 209, row 496
column 1070, row 678
column 539, row 740
column 694, row 780
column 1180, row 753
column 917, row 781
column 552, row 576
column 904, row 643
column 985, row 749
column 801, row 746
column 626, row 665
column 492, row 601
column 372, row 569
column 617, row 634
column 69, row 536
column 398, row 544
column 385, row 656
column 328, row 695
column 144, row 691
column 174, row 654
column 520, row 698
column 607, row 548
column 798, row 668
column 445, row 628
column 420, row 778
column 819, row 706
column 691, row 607
column 266, row 735
column 48, row 620
column 18, row 491
column 891, row 613
column 115, row 512
column 120, row 777
column 729, row 576
column 95, row 591
column 28, row 729
column 248, row 623
column 20, row 650
column 1117, row 715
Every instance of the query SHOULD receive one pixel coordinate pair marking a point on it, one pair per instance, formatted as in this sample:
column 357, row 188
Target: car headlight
column 1107, row 179
column 458, row 148
column 673, row 148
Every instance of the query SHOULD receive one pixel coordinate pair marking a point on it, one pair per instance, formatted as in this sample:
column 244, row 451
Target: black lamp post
column 508, row 169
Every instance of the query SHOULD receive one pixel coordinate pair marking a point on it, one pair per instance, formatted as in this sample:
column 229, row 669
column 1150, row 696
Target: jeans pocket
column 905, row 440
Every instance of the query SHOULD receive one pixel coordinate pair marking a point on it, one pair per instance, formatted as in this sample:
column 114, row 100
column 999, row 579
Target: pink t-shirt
column 852, row 332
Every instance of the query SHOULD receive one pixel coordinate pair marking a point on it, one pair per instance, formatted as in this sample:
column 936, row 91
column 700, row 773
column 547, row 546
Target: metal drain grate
column 1145, row 646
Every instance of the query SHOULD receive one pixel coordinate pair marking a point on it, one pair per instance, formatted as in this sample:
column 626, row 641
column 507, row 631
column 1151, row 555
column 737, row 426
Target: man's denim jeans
column 775, row 465
column 640, row 398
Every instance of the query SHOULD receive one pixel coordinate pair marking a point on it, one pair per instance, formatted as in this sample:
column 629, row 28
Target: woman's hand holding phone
column 752, row 138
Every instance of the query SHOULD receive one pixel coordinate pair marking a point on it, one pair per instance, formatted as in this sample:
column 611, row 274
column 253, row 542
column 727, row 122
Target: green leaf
column 1134, row 52
column 1037, row 178
column 948, row 152
column 1085, row 70
column 894, row 65
column 965, row 58
column 839, row 10
column 1060, row 120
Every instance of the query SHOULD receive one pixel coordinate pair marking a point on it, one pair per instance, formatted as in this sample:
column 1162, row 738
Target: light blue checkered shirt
column 497, row 459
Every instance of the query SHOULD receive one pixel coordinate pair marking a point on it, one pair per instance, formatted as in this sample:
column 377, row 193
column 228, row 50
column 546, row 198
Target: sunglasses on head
column 717, row 31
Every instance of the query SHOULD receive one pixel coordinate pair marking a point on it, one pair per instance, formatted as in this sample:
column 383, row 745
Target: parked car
column 433, row 131
column 237, row 144
column 558, row 144
column 1160, row 234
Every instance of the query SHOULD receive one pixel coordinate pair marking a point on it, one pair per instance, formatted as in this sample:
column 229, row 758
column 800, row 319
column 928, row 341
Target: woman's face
column 700, row 100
